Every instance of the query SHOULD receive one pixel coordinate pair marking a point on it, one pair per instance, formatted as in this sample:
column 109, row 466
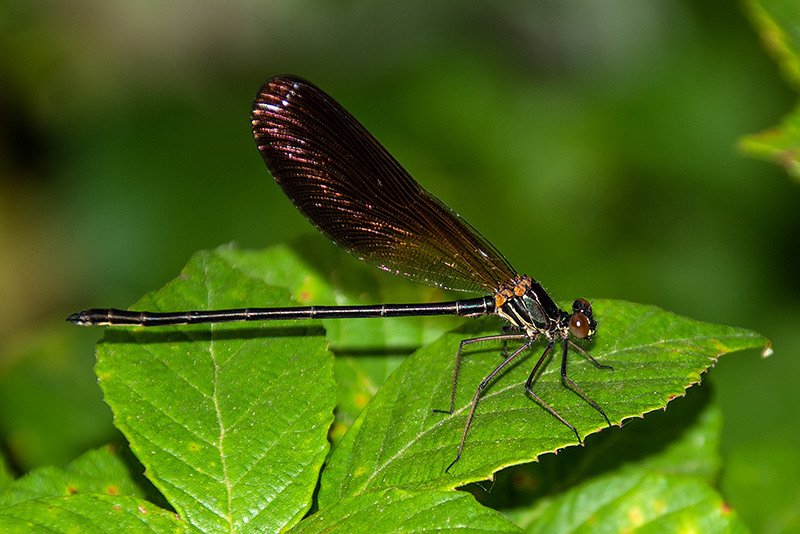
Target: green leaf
column 97, row 471
column 398, row 441
column 229, row 420
column 93, row 513
column 407, row 511
column 638, row 501
column 777, row 22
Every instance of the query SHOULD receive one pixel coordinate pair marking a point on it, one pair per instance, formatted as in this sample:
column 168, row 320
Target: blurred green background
column 594, row 143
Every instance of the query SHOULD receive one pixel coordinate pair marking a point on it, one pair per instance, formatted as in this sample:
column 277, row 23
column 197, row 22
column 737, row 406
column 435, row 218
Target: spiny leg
column 573, row 385
column 539, row 399
column 482, row 386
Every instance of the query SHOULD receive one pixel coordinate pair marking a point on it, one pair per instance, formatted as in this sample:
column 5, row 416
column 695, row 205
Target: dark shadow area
column 137, row 470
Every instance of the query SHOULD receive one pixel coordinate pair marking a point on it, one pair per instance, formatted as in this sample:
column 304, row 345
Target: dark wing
column 358, row 195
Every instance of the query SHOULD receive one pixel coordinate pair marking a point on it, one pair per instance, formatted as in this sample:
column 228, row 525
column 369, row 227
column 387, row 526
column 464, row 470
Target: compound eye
column 579, row 325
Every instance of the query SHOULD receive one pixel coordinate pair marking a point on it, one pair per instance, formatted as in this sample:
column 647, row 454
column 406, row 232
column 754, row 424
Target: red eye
column 579, row 325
